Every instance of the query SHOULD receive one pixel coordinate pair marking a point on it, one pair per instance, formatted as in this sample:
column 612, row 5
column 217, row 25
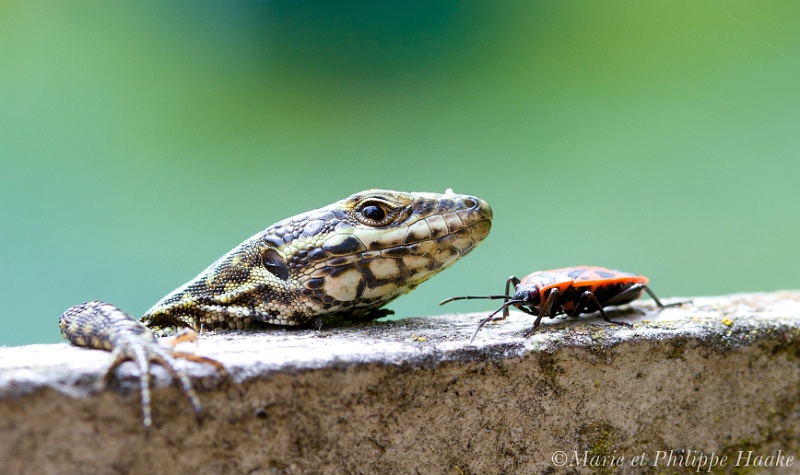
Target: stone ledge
column 718, row 376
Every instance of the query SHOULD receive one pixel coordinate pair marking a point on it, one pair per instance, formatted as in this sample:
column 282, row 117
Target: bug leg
column 536, row 323
column 484, row 321
column 658, row 302
column 549, row 308
column 589, row 297
column 490, row 317
column 480, row 325
column 629, row 294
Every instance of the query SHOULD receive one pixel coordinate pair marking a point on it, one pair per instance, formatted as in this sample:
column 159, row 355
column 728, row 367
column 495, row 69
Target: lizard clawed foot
column 103, row 326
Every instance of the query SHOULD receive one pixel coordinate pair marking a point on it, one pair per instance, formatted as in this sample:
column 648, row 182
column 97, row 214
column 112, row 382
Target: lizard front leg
column 103, row 326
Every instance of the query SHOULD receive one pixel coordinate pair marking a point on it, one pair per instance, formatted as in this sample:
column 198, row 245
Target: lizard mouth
column 461, row 228
column 462, row 241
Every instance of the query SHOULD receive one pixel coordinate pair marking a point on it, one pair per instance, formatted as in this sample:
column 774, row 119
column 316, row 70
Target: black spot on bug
column 575, row 273
column 275, row 264
column 606, row 275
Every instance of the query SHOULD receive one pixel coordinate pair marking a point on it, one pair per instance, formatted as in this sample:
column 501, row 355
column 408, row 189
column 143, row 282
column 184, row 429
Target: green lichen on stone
column 600, row 453
column 677, row 351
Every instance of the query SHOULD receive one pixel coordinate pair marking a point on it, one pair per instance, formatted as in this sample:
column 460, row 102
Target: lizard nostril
column 470, row 202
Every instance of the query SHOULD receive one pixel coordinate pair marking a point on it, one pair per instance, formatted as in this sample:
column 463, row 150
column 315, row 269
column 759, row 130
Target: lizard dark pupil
column 374, row 213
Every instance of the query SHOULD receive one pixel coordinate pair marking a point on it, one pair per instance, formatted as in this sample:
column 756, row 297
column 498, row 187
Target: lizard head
column 359, row 253
column 348, row 258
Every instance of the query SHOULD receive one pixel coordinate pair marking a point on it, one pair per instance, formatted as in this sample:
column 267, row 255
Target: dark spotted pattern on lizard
column 346, row 259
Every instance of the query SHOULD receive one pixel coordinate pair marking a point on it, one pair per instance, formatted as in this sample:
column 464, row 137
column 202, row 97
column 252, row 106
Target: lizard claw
column 103, row 326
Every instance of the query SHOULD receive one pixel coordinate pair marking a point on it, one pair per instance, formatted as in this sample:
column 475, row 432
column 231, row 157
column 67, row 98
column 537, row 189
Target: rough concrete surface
column 719, row 377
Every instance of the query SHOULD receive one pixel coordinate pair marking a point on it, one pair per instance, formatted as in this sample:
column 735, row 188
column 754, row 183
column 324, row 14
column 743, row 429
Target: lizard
column 345, row 260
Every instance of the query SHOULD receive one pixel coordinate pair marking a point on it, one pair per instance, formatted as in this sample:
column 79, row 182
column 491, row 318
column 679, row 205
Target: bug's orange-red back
column 592, row 276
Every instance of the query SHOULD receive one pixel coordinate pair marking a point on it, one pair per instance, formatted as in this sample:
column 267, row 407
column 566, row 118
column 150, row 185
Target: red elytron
column 571, row 291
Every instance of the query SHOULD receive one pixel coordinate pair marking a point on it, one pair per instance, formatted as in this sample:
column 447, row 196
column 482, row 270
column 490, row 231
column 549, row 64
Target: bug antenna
column 475, row 297
column 489, row 317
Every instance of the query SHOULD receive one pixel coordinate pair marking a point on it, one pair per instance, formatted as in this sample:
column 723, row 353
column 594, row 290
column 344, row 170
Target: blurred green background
column 142, row 140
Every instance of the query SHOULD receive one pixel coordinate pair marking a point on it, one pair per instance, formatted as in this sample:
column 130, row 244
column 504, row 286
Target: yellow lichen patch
column 727, row 322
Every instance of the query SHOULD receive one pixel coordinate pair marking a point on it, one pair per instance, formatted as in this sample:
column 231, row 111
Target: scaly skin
column 347, row 259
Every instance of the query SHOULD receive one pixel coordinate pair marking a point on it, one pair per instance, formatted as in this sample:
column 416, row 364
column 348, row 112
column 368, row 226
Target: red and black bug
column 570, row 291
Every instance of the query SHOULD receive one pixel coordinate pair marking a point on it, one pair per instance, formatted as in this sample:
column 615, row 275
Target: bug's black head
column 528, row 295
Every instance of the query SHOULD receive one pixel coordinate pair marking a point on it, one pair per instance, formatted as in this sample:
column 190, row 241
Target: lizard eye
column 374, row 212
